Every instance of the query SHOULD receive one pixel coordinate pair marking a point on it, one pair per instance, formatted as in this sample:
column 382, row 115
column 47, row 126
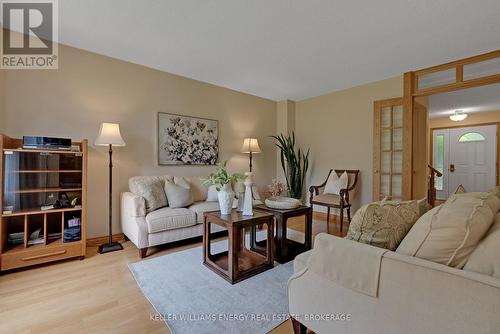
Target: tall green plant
column 294, row 164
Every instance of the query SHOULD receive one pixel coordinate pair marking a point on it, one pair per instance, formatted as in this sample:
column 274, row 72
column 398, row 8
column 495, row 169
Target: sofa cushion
column 485, row 258
column 201, row 207
column 383, row 224
column 168, row 219
column 448, row 234
column 151, row 189
column 179, row 193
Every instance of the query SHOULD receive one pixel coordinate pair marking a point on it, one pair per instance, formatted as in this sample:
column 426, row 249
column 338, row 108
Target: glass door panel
column 34, row 180
column 389, row 173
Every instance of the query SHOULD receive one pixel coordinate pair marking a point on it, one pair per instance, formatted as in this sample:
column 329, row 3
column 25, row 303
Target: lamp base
column 110, row 247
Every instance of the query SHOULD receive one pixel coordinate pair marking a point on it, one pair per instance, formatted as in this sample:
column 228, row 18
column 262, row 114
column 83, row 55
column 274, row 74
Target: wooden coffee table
column 285, row 249
column 238, row 262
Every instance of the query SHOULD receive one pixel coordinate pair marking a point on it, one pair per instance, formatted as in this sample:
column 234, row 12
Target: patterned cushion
column 383, row 224
column 151, row 189
column 168, row 219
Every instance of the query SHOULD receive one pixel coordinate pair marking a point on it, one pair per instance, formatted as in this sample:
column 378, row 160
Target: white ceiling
column 283, row 49
column 472, row 100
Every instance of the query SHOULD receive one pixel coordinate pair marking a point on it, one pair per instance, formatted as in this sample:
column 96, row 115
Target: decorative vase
column 226, row 196
column 248, row 201
column 241, row 201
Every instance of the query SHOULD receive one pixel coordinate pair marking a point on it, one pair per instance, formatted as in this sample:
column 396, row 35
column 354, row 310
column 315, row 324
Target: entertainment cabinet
column 43, row 195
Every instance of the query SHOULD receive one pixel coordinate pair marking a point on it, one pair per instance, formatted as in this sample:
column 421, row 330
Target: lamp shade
column 250, row 145
column 109, row 134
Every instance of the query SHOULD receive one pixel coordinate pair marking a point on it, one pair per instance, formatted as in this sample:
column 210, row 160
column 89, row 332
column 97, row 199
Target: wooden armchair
column 340, row 201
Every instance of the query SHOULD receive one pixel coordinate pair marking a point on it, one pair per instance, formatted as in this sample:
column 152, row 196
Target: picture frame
column 187, row 140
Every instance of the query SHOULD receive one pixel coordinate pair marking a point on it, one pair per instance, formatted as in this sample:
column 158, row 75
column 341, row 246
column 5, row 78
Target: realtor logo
column 29, row 35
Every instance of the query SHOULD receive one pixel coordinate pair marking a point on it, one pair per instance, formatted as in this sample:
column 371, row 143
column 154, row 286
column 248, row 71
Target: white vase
column 226, row 197
column 248, row 201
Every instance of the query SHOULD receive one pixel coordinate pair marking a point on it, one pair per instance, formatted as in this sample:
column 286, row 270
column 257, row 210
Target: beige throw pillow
column 178, row 193
column 335, row 183
column 383, row 224
column 485, row 258
column 151, row 189
column 448, row 234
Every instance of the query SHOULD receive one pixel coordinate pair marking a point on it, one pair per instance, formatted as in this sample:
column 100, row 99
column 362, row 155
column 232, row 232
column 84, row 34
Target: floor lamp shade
column 250, row 146
column 109, row 135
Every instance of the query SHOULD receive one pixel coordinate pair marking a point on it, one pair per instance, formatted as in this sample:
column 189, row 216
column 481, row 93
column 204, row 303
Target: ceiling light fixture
column 458, row 116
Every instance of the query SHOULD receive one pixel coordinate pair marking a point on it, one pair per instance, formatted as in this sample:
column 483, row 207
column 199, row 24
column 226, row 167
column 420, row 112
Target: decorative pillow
column 335, row 183
column 484, row 259
column 151, row 189
column 383, row 224
column 490, row 200
column 212, row 194
column 448, row 233
column 179, row 193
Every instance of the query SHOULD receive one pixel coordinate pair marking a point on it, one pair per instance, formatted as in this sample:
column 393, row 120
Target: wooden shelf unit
column 25, row 220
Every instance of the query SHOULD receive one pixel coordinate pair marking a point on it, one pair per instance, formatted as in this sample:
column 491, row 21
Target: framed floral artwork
column 186, row 140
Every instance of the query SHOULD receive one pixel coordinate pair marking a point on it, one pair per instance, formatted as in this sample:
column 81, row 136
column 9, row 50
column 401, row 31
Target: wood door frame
column 411, row 92
column 431, row 141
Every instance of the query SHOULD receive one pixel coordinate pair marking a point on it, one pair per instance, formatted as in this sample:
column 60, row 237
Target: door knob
column 452, row 168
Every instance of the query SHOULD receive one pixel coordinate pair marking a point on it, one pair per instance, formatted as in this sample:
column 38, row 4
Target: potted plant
column 222, row 181
column 294, row 164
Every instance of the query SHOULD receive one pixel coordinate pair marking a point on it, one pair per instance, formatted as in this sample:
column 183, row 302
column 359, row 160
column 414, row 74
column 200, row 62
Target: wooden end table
column 238, row 262
column 284, row 249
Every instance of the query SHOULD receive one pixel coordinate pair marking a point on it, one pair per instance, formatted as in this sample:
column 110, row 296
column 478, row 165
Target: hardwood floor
column 96, row 295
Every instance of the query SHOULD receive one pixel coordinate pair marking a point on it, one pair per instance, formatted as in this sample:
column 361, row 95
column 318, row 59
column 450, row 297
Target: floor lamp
column 109, row 135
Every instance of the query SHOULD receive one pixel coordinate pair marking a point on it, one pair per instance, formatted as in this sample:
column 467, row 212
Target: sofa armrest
column 133, row 205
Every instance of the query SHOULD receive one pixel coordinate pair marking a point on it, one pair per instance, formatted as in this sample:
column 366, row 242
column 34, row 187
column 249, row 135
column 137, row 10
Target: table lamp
column 109, row 135
column 250, row 146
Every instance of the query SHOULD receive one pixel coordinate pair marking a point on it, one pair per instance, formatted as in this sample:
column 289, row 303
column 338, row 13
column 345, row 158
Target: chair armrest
column 133, row 205
column 344, row 197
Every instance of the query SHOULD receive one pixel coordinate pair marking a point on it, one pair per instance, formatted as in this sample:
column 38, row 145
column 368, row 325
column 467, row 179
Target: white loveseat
column 166, row 224
column 332, row 291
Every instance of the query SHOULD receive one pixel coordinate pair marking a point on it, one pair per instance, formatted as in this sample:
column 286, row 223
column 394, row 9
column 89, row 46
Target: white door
column 467, row 156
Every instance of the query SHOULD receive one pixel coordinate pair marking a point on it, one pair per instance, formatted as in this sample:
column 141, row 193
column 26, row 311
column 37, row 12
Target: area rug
column 191, row 298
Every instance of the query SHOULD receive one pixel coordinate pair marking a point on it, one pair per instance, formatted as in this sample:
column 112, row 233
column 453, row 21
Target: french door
column 466, row 156
column 390, row 150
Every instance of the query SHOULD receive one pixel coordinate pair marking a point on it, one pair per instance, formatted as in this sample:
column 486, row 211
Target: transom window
column 471, row 136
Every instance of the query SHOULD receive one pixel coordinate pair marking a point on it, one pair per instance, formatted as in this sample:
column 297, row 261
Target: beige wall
column 89, row 89
column 472, row 119
column 285, row 123
column 338, row 128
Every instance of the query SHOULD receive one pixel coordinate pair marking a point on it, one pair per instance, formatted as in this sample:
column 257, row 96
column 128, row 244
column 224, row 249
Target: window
column 471, row 136
column 439, row 163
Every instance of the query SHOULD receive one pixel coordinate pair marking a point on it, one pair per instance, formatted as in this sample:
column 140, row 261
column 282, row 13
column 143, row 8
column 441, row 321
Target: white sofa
column 414, row 295
column 166, row 224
